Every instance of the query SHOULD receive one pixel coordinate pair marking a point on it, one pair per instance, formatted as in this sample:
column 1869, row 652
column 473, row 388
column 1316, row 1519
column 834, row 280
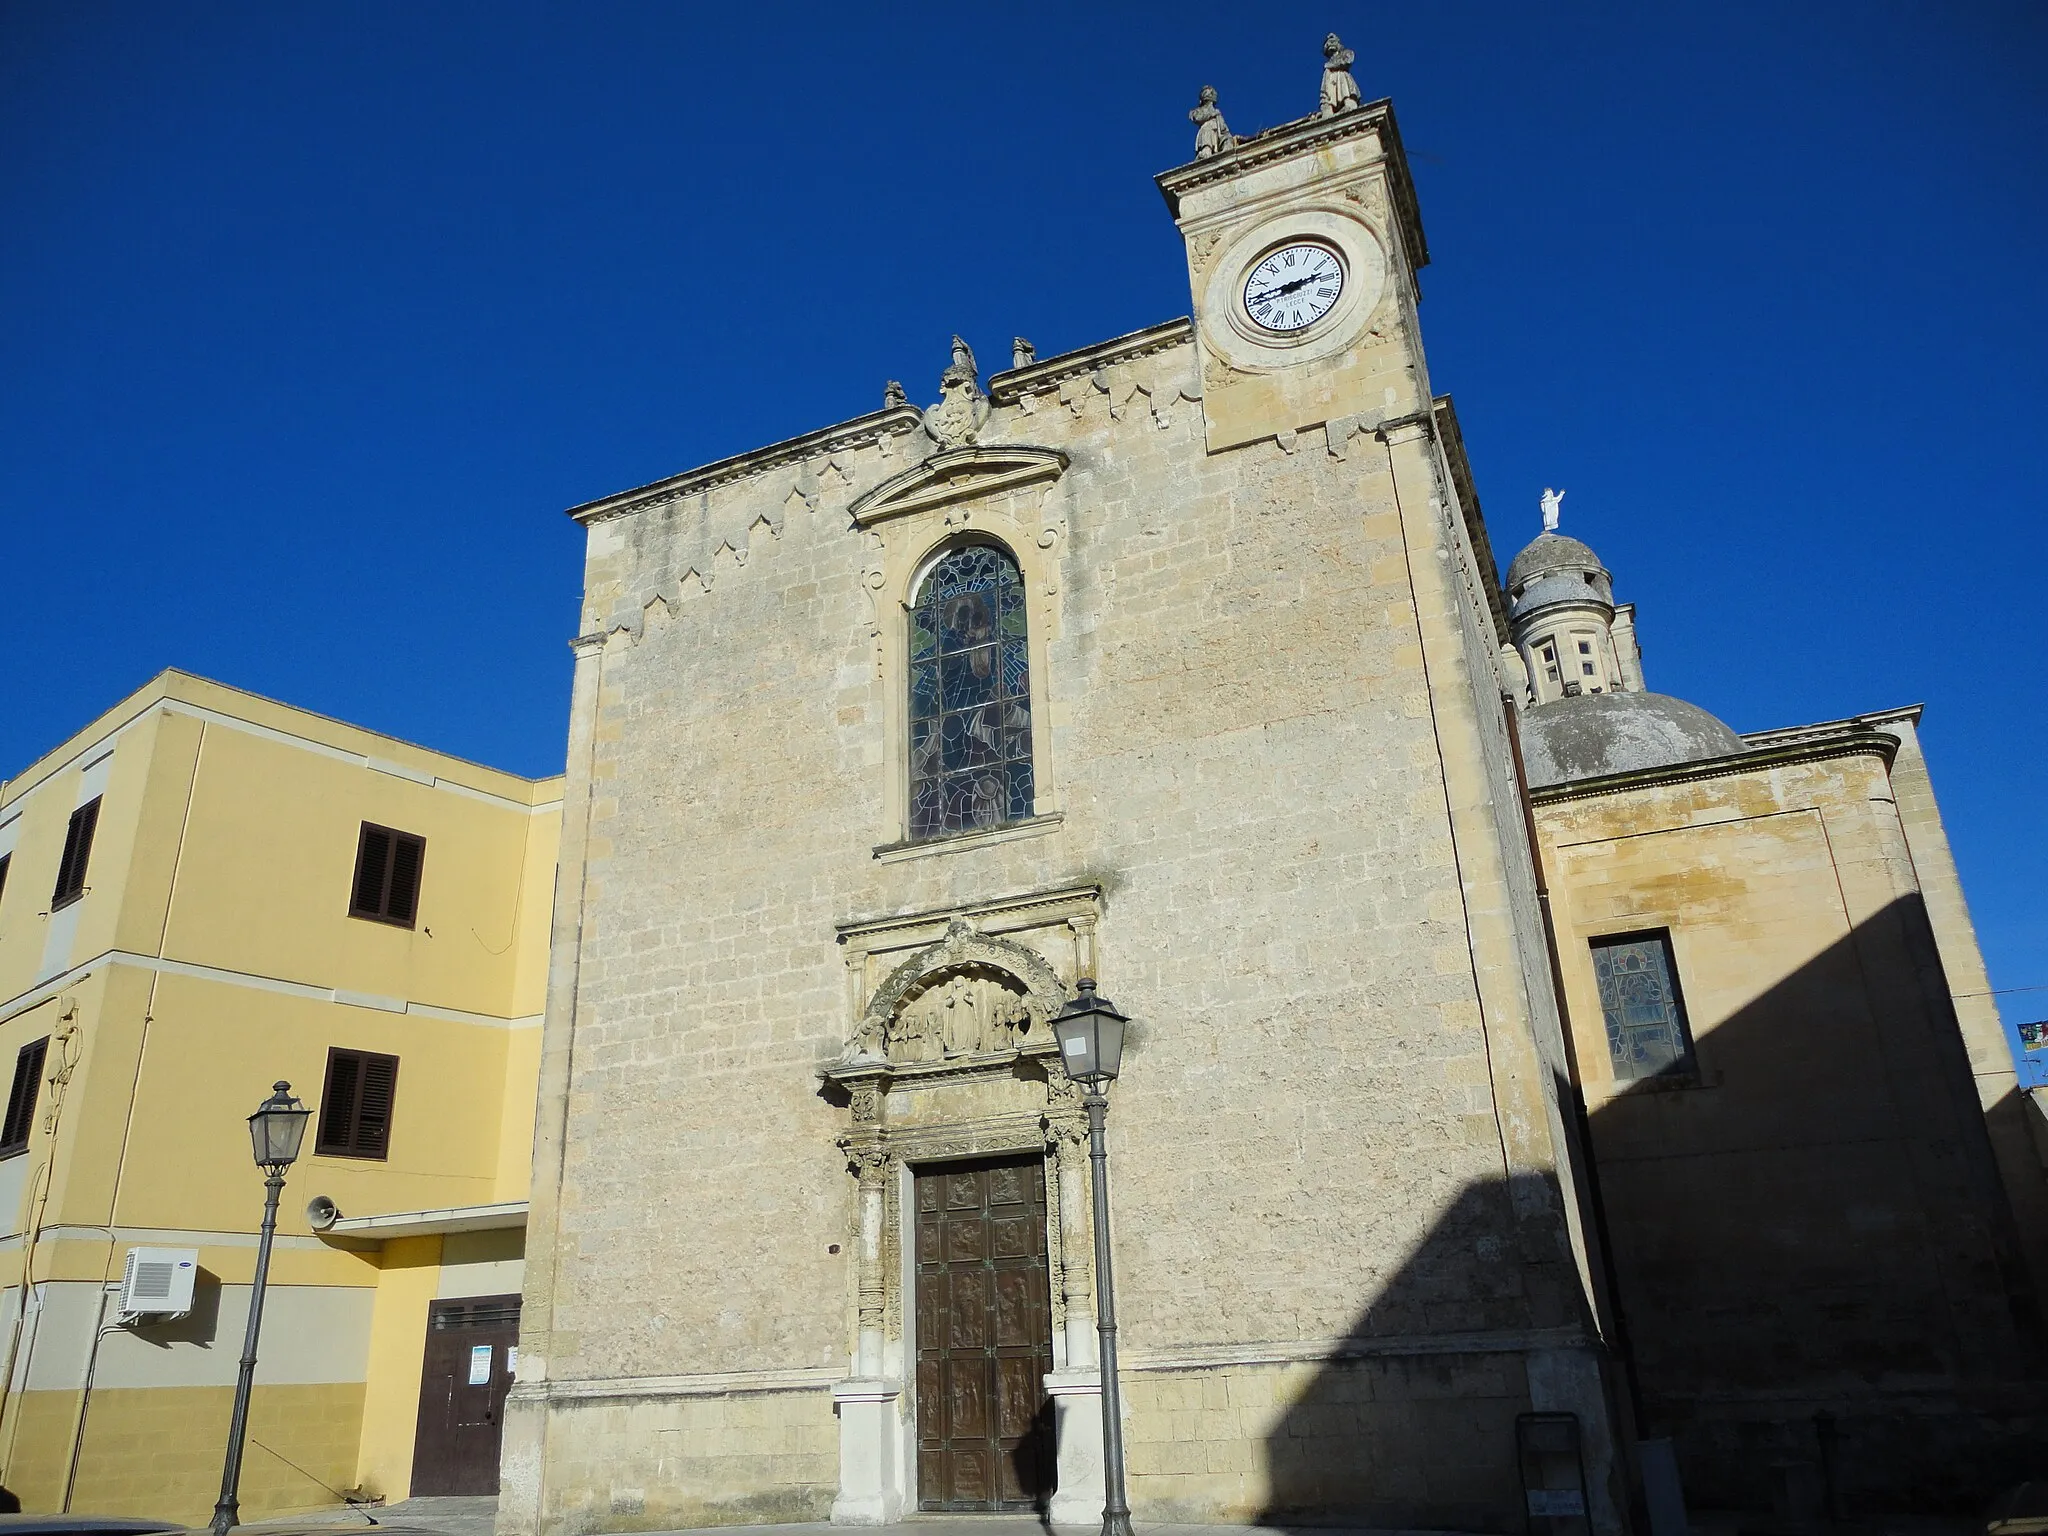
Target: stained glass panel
column 1646, row 1030
column 970, row 696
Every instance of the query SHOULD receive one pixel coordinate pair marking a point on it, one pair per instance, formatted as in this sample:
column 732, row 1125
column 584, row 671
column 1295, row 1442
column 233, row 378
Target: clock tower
column 1303, row 243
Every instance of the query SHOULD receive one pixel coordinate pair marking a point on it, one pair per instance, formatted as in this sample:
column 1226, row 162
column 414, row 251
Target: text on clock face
column 1294, row 287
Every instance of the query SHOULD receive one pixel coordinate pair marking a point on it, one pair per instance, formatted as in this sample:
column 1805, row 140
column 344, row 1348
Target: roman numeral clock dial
column 1294, row 287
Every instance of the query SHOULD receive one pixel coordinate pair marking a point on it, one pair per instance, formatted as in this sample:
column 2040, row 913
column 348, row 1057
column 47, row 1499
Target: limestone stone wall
column 666, row 1461
column 1399, row 1442
column 1239, row 749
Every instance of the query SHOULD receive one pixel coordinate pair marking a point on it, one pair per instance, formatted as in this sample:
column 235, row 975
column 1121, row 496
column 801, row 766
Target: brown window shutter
column 355, row 1104
column 77, row 854
column 373, row 1106
column 338, row 1103
column 373, row 863
column 406, row 856
column 387, row 884
column 21, row 1097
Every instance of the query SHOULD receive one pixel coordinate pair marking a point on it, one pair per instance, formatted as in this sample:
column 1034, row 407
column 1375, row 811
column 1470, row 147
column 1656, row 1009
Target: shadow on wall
column 200, row 1326
column 1818, row 1274
column 1385, row 1436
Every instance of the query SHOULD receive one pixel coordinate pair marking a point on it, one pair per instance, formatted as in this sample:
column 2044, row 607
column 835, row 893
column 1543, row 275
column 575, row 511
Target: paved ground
column 408, row 1517
column 472, row 1517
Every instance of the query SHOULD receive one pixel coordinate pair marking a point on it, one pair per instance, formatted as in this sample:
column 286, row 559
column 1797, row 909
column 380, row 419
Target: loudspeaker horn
column 322, row 1213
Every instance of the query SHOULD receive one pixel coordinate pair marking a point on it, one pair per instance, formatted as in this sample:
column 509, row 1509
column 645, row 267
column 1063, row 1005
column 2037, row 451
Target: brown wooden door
column 465, row 1375
column 984, row 1337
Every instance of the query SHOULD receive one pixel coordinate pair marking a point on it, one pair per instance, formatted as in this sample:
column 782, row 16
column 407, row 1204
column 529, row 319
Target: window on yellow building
column 387, row 883
column 77, row 853
column 355, row 1104
column 5, row 860
column 21, row 1097
column 1647, row 1035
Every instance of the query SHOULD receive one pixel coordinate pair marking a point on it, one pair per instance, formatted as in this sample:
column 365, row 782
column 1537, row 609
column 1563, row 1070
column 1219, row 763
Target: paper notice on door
column 480, row 1365
column 511, row 1359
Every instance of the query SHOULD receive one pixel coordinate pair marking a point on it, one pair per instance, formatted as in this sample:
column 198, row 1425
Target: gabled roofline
column 1004, row 388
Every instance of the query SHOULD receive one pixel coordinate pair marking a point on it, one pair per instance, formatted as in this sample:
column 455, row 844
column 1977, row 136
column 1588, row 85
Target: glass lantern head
column 1090, row 1032
column 277, row 1128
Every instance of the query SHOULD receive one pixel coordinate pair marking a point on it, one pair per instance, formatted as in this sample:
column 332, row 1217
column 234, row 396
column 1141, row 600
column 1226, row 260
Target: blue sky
column 313, row 318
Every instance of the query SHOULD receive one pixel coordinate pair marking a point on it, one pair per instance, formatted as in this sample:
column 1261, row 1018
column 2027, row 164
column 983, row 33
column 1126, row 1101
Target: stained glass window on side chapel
column 970, row 695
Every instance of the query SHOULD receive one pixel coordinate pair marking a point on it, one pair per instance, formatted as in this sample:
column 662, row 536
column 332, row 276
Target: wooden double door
column 467, row 1370
column 984, row 1337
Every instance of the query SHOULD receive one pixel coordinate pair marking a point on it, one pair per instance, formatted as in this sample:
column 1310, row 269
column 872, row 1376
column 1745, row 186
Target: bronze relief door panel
column 984, row 1337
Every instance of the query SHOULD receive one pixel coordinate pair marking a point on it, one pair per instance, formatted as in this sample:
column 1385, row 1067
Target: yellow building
column 201, row 893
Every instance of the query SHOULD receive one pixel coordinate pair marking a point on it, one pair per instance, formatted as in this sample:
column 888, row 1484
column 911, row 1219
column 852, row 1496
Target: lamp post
column 275, row 1130
column 1091, row 1036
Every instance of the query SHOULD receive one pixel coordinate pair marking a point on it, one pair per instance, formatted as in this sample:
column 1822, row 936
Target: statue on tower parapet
column 1552, row 501
column 1022, row 352
column 962, row 407
column 1340, row 91
column 1212, row 134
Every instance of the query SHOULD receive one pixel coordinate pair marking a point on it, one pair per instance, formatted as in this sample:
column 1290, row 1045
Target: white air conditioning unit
column 156, row 1284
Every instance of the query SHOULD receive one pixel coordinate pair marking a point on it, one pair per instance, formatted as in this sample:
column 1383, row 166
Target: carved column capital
column 1066, row 1134
column 867, row 1159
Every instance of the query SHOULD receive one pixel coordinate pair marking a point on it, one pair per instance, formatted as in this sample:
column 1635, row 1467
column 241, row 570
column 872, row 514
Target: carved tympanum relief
column 966, row 996
column 971, row 1011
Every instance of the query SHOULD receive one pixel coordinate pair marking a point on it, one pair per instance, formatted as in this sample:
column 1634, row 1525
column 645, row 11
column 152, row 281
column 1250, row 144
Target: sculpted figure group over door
column 964, row 1013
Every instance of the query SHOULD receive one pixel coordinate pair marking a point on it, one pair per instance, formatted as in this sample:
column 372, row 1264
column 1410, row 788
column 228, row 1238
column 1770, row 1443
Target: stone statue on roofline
column 1340, row 91
column 1553, row 502
column 1022, row 352
column 961, row 408
column 1212, row 134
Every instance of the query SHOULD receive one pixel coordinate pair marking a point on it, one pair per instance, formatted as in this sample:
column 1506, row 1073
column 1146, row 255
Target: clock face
column 1294, row 287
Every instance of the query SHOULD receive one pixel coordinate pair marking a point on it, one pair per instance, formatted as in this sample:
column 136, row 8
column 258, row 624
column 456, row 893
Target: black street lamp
column 1091, row 1036
column 275, row 1131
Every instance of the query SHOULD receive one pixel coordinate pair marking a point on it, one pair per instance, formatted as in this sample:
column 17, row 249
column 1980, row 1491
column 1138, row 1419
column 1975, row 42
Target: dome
column 1552, row 552
column 1555, row 569
column 1596, row 734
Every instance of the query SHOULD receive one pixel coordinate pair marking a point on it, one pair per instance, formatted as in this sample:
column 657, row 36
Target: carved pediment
column 956, row 475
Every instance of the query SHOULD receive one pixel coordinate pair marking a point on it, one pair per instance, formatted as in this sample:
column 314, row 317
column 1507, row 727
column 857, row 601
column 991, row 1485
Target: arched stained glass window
column 970, row 695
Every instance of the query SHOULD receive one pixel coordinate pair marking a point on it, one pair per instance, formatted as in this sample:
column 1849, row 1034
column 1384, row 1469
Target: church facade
column 1180, row 663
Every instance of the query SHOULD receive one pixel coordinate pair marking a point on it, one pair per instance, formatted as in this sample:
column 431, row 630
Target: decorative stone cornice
column 1302, row 137
column 1452, row 439
column 1503, row 1341
column 857, row 433
column 710, row 1384
column 1786, row 735
column 957, row 474
column 1004, row 914
column 1853, row 741
column 1049, row 373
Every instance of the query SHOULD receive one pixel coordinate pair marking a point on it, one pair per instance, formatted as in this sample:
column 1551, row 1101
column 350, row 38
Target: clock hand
column 1284, row 288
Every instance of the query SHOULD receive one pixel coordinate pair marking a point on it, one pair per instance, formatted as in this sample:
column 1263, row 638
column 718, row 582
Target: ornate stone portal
column 951, row 1056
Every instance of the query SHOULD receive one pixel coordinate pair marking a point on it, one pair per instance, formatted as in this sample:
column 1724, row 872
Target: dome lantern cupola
column 1563, row 620
column 1586, row 713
